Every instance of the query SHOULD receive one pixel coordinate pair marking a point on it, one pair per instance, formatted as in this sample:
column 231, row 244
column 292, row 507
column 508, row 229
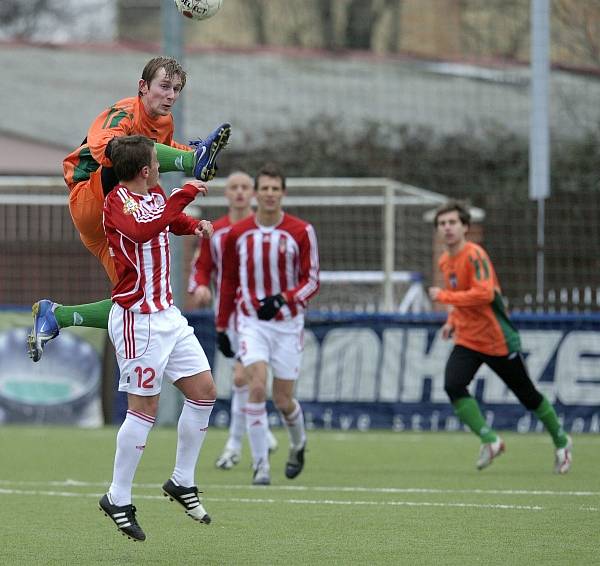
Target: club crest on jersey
column 453, row 280
column 130, row 206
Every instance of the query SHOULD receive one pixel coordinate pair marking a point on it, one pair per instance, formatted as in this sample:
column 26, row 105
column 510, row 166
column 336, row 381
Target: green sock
column 467, row 410
column 93, row 315
column 173, row 159
column 546, row 413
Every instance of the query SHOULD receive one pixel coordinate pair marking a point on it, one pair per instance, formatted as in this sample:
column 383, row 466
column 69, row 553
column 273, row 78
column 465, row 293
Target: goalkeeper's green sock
column 173, row 159
column 546, row 413
column 94, row 315
column 467, row 410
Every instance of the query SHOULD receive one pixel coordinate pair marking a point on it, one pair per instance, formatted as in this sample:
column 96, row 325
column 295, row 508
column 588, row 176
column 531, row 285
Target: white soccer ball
column 198, row 9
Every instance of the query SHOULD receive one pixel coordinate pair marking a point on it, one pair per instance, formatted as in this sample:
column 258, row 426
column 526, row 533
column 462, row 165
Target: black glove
column 224, row 345
column 269, row 306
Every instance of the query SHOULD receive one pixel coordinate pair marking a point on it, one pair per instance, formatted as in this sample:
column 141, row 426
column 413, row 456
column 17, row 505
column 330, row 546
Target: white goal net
column 376, row 248
column 375, row 245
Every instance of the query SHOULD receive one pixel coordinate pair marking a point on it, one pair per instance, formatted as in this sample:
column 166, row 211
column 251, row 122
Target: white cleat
column 228, row 459
column 488, row 452
column 273, row 444
column 262, row 474
column 564, row 457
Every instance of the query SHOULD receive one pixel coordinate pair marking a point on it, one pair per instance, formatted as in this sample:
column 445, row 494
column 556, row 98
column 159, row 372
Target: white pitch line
column 291, row 501
column 584, row 439
column 342, row 489
column 356, row 489
column 382, row 503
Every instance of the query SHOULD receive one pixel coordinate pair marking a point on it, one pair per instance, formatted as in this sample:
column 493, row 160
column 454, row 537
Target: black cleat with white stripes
column 188, row 498
column 295, row 463
column 124, row 517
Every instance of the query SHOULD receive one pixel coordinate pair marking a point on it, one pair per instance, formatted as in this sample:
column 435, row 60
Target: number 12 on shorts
column 145, row 377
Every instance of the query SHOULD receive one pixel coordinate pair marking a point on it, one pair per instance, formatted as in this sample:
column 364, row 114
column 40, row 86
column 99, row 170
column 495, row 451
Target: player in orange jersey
column 89, row 176
column 483, row 334
column 88, row 170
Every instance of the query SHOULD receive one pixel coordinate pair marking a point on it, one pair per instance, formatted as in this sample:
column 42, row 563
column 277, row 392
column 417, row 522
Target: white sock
column 256, row 422
column 191, row 430
column 131, row 441
column 294, row 422
column 237, row 427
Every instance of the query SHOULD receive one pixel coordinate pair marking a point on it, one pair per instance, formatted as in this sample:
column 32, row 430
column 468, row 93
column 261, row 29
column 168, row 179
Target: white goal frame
column 320, row 192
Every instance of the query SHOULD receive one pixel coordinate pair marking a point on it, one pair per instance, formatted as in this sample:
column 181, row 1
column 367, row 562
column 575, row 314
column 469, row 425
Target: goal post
column 375, row 246
column 376, row 249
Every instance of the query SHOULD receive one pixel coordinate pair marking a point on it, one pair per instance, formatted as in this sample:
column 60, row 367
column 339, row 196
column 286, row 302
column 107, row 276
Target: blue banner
column 386, row 372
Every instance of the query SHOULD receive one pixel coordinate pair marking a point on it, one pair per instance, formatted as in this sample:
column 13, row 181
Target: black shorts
column 463, row 363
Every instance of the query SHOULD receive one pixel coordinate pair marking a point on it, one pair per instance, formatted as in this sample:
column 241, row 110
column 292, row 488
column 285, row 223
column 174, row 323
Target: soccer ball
column 198, row 9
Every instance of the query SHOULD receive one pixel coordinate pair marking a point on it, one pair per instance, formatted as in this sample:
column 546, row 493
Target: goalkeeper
column 483, row 334
column 89, row 176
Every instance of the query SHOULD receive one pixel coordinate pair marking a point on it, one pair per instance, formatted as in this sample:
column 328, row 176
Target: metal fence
column 375, row 246
column 375, row 240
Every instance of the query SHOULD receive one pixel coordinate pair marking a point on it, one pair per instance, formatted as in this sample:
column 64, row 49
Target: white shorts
column 279, row 344
column 150, row 346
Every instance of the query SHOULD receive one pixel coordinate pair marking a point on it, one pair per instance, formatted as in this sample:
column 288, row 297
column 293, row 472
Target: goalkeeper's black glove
column 224, row 345
column 269, row 306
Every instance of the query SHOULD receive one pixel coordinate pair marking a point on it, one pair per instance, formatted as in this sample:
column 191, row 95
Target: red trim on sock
column 142, row 416
column 200, row 403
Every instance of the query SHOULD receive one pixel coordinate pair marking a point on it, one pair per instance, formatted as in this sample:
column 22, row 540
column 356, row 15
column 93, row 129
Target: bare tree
column 395, row 32
column 577, row 30
column 310, row 23
column 498, row 28
column 325, row 15
column 257, row 13
column 21, row 19
column 363, row 18
column 359, row 24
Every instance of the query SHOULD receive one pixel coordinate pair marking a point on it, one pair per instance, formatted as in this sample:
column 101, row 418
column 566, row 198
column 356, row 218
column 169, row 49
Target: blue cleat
column 45, row 328
column 207, row 150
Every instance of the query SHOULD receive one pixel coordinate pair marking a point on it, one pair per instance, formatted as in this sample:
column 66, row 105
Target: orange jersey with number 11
column 124, row 118
column 478, row 313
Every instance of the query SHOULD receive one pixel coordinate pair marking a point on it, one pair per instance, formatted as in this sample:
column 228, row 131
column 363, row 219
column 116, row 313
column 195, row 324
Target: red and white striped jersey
column 137, row 228
column 259, row 261
column 207, row 267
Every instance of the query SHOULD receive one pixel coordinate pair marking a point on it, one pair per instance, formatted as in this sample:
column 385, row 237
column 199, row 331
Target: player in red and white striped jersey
column 152, row 339
column 207, row 263
column 270, row 271
column 206, row 272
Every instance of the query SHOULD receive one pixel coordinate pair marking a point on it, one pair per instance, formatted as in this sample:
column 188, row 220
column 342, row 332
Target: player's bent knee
column 257, row 392
column 240, row 381
column 199, row 386
column 283, row 402
column 146, row 405
column 455, row 392
column 240, row 376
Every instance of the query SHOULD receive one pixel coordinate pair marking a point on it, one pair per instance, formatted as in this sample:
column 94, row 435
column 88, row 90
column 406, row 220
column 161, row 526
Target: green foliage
column 364, row 498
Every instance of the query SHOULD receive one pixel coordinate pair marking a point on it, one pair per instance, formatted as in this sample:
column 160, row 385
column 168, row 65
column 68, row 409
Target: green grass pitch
column 364, row 498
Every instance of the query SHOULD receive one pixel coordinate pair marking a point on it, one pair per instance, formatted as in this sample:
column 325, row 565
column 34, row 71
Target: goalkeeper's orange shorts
column 86, row 200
